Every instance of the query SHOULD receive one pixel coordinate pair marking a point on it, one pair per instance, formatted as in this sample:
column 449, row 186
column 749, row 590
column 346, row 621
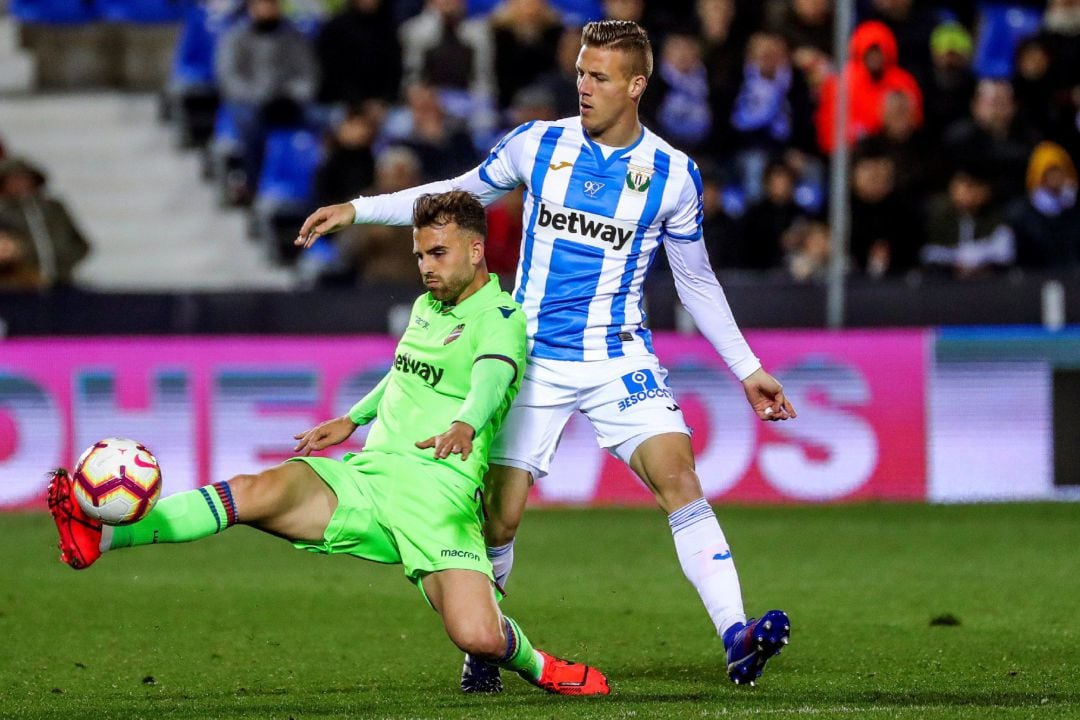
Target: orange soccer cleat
column 569, row 678
column 80, row 536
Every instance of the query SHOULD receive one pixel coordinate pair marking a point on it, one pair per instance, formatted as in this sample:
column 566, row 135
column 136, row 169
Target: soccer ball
column 117, row 481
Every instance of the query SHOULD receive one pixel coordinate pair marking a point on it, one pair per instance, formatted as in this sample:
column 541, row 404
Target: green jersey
column 438, row 378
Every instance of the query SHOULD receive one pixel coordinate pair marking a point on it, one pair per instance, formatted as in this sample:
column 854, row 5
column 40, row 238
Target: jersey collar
column 462, row 309
column 618, row 153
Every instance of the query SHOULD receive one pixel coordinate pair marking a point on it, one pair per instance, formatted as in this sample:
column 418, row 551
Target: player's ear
column 476, row 249
column 637, row 86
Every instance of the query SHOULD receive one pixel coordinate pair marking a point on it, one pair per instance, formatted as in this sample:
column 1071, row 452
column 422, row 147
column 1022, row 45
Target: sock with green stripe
column 178, row 518
column 520, row 655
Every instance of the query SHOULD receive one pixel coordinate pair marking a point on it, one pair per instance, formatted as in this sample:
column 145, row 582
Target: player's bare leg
column 506, row 492
column 665, row 463
column 466, row 602
column 289, row 500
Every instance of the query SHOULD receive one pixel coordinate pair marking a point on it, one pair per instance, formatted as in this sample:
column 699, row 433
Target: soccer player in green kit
column 413, row 495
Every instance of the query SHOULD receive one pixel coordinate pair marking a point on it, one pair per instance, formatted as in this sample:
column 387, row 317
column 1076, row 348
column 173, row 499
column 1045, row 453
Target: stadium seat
column 54, row 12
column 286, row 190
column 223, row 153
column 576, row 12
column 288, row 171
column 226, row 134
column 193, row 61
column 143, row 11
column 1001, row 28
column 480, row 7
column 579, row 12
column 733, row 199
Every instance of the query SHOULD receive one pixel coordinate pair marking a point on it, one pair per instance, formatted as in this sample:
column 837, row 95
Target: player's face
column 607, row 90
column 448, row 258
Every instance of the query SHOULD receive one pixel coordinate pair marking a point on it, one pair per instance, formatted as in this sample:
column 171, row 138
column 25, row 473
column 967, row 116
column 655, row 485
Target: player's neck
column 620, row 134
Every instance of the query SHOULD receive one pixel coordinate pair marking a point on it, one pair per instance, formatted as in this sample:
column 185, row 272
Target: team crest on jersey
column 638, row 178
column 454, row 334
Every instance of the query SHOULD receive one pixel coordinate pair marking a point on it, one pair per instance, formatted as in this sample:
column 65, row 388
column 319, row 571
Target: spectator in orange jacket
column 871, row 74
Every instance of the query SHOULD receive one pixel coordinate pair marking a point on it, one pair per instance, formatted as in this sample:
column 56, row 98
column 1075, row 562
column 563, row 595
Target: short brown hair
column 624, row 35
column 457, row 206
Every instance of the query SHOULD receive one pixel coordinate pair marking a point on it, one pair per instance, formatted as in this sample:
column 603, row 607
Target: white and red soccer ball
column 117, row 481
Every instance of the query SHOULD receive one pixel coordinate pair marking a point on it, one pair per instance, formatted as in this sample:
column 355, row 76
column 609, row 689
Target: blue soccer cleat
column 751, row 645
column 480, row 677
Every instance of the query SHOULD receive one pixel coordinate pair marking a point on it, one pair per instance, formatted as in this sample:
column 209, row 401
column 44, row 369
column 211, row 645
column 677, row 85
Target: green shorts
column 396, row 510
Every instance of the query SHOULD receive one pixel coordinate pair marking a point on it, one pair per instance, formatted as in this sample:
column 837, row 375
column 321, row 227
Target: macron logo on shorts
column 642, row 385
column 461, row 554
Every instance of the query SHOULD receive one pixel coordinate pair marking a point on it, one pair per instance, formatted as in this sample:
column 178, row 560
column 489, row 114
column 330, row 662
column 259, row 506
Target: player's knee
column 257, row 496
column 487, row 643
column 499, row 531
column 677, row 488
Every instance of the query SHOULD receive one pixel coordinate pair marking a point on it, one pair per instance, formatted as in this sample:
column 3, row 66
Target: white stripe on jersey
column 592, row 225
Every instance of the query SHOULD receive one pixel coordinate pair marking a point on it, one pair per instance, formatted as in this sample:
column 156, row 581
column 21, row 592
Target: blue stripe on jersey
column 511, row 135
column 643, row 332
column 695, row 175
column 601, row 199
column 661, row 166
column 490, row 181
column 682, row 238
column 495, row 152
column 574, row 274
column 536, row 186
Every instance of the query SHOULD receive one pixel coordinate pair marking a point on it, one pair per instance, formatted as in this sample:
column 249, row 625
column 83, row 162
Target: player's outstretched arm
column 324, row 435
column 458, row 439
column 766, row 395
column 391, row 208
column 324, row 221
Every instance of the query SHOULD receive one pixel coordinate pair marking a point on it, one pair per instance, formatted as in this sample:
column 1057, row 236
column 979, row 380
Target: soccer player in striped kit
column 602, row 193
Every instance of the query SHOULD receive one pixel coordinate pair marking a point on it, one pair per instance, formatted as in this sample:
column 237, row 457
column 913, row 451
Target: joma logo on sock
column 461, row 554
column 425, row 371
column 580, row 226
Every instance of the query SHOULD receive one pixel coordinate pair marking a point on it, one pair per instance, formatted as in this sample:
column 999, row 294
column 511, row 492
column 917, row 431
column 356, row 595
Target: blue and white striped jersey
column 592, row 225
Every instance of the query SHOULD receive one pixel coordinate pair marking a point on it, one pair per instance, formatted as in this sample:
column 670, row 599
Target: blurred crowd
column 963, row 121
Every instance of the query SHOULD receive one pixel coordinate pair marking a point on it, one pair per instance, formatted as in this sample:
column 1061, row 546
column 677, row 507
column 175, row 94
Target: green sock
column 520, row 655
column 178, row 518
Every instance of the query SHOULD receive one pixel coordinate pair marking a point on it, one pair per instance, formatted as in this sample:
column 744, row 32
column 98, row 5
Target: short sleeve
column 501, row 336
column 684, row 225
column 501, row 169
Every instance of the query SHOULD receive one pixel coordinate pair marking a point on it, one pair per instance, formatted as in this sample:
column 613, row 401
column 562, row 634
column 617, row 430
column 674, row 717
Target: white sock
column 106, row 538
column 502, row 562
column 707, row 563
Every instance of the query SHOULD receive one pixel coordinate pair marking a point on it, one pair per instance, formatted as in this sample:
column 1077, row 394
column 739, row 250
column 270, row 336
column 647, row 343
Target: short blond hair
column 623, row 35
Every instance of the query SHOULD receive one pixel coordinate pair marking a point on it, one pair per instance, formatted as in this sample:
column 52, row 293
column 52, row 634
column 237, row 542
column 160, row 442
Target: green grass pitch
column 243, row 626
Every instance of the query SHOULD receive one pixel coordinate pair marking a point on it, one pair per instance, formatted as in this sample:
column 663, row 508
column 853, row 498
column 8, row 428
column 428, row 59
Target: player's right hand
column 324, row 435
column 766, row 395
column 323, row 221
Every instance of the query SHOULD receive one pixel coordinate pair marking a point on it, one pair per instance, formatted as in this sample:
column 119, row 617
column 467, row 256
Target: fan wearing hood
column 870, row 75
column 1047, row 221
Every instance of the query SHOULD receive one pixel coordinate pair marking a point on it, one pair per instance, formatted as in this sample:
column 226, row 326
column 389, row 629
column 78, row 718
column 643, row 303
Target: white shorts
column 627, row 400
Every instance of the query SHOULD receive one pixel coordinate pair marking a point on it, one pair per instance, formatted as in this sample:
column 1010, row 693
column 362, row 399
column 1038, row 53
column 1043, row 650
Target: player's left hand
column 766, row 396
column 458, row 439
column 324, row 435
